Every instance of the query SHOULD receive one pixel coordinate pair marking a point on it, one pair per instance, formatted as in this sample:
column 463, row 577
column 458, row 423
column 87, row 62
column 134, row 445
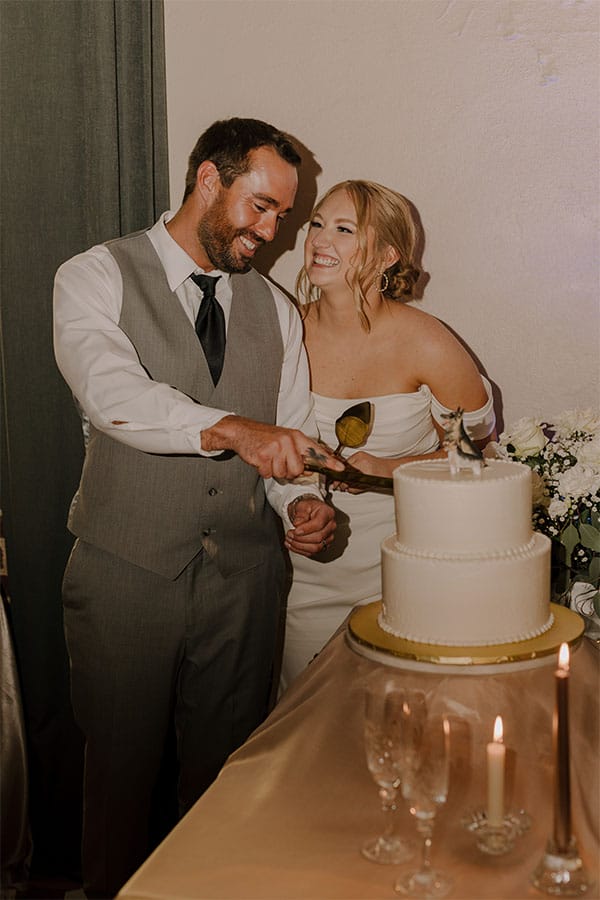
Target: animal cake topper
column 462, row 452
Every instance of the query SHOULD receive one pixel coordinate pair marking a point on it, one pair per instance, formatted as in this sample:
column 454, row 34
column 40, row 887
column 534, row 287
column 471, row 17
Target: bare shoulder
column 448, row 367
column 422, row 326
column 437, row 358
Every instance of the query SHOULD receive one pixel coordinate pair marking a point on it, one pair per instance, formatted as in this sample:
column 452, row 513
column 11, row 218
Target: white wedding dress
column 328, row 585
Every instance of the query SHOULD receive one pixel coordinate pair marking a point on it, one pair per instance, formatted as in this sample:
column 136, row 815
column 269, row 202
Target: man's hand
column 275, row 452
column 314, row 525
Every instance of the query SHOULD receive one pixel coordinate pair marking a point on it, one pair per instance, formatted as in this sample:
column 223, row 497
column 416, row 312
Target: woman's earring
column 384, row 284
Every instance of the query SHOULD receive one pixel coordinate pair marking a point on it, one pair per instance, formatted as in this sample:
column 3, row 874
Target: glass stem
column 426, row 829
column 388, row 805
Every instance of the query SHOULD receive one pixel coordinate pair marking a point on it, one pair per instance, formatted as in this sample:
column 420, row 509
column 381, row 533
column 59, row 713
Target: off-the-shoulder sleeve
column 479, row 422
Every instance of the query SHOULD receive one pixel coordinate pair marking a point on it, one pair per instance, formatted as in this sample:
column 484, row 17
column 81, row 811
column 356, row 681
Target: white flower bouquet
column 564, row 457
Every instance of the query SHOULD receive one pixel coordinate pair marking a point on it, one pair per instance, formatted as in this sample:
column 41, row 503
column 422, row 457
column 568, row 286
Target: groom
column 172, row 593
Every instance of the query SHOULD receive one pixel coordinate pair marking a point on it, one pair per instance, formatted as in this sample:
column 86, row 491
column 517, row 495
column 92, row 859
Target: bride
column 365, row 343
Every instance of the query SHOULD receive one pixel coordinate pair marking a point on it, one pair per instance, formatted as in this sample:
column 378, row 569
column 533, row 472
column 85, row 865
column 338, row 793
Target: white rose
column 586, row 420
column 582, row 599
column 578, row 481
column 558, row 508
column 527, row 438
column 588, row 453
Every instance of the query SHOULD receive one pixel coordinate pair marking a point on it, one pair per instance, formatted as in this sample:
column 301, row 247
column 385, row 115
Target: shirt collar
column 178, row 265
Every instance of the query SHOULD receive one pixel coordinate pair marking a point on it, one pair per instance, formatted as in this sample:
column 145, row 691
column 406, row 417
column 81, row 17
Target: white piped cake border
column 525, row 551
column 526, row 636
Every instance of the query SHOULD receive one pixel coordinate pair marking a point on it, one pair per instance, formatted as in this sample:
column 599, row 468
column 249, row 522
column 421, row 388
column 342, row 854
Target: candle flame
column 446, row 727
column 563, row 657
column 498, row 730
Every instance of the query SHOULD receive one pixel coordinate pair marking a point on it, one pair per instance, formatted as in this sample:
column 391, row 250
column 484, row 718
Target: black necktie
column 210, row 325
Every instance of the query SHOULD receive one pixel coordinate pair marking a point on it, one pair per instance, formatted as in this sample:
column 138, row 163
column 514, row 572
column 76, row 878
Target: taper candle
column 496, row 753
column 560, row 729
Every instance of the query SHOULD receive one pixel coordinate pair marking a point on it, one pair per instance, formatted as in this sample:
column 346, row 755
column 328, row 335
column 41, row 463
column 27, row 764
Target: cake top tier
column 438, row 470
column 465, row 513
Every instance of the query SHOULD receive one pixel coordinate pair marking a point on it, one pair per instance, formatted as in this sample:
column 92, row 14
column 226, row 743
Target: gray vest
column 157, row 511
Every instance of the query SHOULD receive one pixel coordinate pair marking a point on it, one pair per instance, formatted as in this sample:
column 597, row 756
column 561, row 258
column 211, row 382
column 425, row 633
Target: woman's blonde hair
column 390, row 216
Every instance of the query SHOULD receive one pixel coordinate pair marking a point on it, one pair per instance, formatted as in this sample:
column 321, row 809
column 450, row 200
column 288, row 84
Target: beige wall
column 483, row 112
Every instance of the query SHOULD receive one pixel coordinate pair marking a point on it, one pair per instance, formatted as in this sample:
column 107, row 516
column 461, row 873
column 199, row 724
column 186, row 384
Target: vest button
column 212, row 492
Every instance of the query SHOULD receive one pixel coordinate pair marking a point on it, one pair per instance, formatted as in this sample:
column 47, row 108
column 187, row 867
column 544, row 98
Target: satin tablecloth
column 288, row 813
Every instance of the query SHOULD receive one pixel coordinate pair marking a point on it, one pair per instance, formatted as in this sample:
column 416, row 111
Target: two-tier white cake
column 465, row 567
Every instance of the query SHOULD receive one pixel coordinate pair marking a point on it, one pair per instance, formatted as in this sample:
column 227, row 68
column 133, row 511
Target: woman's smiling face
column 331, row 248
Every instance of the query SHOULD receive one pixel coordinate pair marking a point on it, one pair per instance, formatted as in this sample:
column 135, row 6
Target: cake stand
column 366, row 637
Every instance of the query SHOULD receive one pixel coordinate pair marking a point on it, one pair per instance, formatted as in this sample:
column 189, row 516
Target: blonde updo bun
column 401, row 282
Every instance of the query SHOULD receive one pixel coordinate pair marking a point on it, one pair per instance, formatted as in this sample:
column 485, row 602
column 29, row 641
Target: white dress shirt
column 101, row 366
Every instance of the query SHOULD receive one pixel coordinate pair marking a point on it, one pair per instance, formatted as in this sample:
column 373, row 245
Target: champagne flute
column 425, row 786
column 387, row 708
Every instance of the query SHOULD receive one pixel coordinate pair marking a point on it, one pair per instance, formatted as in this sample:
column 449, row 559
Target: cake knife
column 353, row 477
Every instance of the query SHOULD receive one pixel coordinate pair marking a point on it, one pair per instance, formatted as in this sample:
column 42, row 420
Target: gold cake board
column 366, row 637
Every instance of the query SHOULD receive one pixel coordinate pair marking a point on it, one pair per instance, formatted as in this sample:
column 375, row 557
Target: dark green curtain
column 84, row 159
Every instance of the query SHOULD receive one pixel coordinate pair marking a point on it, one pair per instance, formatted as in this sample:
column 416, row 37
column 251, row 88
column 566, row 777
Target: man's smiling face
column 247, row 214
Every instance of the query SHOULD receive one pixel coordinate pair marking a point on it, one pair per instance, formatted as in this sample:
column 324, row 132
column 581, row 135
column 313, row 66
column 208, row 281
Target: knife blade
column 354, row 477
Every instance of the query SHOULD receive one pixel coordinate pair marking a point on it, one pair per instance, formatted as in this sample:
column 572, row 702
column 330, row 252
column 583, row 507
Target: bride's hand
column 369, row 464
column 364, row 462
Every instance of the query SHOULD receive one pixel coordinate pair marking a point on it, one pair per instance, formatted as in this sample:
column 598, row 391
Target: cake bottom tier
column 466, row 602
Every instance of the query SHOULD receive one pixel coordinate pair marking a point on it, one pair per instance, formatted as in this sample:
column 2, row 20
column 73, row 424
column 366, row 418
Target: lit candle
column 496, row 752
column 560, row 730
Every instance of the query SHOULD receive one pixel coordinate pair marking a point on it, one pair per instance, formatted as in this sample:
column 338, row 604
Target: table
column 289, row 811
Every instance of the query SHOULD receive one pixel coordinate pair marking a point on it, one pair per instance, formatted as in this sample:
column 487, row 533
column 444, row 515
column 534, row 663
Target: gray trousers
column 144, row 650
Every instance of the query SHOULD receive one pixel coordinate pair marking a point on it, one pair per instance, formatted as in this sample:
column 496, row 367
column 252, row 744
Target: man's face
column 248, row 213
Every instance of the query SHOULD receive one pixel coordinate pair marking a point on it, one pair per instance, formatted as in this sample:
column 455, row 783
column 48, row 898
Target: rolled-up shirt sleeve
column 110, row 385
column 101, row 366
column 294, row 404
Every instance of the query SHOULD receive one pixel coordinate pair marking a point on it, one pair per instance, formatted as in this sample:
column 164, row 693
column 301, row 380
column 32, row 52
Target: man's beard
column 217, row 236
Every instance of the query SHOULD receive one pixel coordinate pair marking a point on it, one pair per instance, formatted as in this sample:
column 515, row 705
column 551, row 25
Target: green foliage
column 565, row 461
